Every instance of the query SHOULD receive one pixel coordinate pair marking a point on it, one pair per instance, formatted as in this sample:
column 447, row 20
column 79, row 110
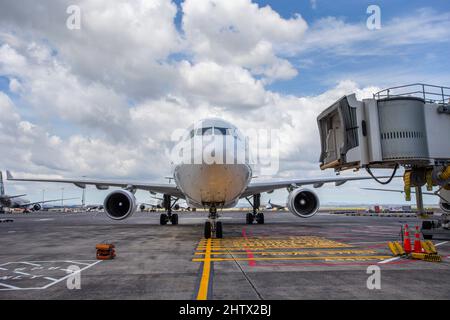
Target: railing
column 429, row 93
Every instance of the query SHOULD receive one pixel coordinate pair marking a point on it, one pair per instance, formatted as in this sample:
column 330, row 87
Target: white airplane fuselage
column 213, row 169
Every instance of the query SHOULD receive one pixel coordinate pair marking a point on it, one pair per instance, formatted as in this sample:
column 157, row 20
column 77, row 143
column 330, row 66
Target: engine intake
column 303, row 203
column 37, row 207
column 120, row 204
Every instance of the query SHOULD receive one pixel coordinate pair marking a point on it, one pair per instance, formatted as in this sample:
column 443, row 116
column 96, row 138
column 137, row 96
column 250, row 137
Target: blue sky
column 99, row 100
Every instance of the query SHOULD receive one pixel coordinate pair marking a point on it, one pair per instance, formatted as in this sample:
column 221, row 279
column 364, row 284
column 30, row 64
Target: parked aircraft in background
column 18, row 202
column 271, row 206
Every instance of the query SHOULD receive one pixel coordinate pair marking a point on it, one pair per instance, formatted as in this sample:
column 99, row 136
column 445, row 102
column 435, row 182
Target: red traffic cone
column 407, row 241
column 417, row 245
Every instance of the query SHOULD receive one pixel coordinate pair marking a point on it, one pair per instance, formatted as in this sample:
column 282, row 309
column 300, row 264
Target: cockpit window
column 222, row 131
column 207, row 131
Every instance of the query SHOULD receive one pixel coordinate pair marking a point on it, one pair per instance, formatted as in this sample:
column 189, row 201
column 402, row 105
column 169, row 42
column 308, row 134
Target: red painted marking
column 332, row 264
column 250, row 256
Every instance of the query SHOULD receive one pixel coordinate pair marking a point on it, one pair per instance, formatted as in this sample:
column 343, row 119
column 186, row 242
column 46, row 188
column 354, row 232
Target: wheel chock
column 426, row 257
column 396, row 248
column 429, row 247
column 105, row 251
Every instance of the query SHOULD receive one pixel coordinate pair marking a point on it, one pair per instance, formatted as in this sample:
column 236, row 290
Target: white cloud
column 15, row 86
column 242, row 33
column 339, row 37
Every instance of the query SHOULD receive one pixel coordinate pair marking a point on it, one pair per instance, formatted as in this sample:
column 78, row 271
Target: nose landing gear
column 213, row 228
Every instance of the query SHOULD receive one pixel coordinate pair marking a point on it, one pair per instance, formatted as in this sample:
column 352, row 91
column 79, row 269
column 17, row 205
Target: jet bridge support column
column 419, row 201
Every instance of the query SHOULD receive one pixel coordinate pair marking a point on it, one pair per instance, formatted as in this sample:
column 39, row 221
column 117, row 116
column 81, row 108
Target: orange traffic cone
column 417, row 245
column 407, row 241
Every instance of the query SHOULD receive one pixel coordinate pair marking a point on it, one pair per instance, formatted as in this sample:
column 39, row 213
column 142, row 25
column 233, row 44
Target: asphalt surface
column 51, row 255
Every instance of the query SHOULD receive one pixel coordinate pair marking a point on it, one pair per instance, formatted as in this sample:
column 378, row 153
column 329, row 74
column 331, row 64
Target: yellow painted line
column 287, row 253
column 204, row 282
column 270, row 247
column 327, row 258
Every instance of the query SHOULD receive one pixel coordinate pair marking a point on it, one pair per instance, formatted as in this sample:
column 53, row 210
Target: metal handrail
column 423, row 92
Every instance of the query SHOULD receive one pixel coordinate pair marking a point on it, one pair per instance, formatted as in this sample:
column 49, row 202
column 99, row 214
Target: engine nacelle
column 303, row 203
column 120, row 204
column 444, row 205
column 37, row 207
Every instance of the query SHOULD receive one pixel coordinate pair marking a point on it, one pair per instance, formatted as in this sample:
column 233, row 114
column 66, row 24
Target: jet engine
column 120, row 204
column 303, row 203
column 444, row 205
column 37, row 207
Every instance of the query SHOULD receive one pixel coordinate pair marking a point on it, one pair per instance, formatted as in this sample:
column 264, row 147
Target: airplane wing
column 24, row 205
column 164, row 188
column 15, row 196
column 268, row 186
column 399, row 191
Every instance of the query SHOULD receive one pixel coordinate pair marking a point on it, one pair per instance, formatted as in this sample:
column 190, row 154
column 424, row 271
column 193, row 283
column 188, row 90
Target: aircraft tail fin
column 2, row 187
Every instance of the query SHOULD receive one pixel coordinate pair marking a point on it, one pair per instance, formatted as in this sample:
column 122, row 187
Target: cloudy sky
column 102, row 101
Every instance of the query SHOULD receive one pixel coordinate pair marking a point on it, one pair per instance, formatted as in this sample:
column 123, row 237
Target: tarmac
column 329, row 256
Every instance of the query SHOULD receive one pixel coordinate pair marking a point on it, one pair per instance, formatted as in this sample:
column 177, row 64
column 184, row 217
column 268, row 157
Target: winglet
column 9, row 175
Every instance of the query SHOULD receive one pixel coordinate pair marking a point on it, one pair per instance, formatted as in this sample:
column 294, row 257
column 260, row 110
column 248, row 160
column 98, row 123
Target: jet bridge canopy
column 407, row 125
column 338, row 132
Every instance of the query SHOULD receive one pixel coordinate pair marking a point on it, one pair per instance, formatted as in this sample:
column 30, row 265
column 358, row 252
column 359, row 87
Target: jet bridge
column 400, row 126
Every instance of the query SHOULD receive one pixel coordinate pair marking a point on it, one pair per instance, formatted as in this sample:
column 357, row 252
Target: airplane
column 17, row 201
column 271, row 205
column 213, row 181
column 443, row 195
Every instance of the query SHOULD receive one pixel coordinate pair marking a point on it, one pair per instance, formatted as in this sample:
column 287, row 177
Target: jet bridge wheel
column 207, row 230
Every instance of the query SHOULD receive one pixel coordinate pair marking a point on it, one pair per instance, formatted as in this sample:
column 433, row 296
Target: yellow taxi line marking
column 296, row 258
column 270, row 248
column 204, row 282
column 315, row 252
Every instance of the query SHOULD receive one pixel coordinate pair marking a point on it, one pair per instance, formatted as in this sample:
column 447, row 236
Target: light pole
column 83, row 197
column 62, row 199
column 43, row 197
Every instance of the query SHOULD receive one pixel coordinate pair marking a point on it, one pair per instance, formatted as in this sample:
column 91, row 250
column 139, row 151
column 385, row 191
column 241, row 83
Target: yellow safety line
column 294, row 258
column 314, row 252
column 271, row 247
column 204, row 282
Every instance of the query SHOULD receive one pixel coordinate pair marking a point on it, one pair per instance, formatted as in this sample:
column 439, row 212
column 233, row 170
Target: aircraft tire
column 219, row 230
column 207, row 230
column 163, row 218
column 174, row 219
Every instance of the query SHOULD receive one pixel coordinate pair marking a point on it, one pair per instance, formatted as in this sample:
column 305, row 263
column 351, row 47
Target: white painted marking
column 438, row 244
column 71, row 274
column 24, row 273
column 51, row 279
column 389, row 260
column 54, row 281
column 31, row 264
column 8, row 286
column 45, row 219
column 3, row 268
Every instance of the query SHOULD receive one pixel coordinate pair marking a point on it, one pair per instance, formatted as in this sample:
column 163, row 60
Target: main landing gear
column 213, row 227
column 164, row 218
column 255, row 215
